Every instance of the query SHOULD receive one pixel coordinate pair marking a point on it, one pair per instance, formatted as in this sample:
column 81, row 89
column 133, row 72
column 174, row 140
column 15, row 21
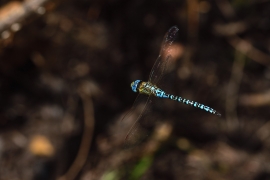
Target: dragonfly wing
column 164, row 56
column 134, row 118
column 138, row 117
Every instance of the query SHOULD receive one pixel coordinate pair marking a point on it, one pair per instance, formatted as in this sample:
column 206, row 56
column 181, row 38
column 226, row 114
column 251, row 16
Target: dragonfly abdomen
column 191, row 103
column 150, row 89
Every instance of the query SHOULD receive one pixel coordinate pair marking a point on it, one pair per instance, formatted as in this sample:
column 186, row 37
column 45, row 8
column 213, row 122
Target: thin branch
column 255, row 99
column 16, row 12
column 234, row 40
column 232, row 91
column 87, row 136
column 249, row 50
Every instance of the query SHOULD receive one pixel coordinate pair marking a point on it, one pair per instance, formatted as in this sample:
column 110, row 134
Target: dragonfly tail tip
column 218, row 114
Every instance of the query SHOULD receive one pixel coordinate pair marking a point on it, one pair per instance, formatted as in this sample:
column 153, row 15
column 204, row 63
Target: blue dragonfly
column 148, row 90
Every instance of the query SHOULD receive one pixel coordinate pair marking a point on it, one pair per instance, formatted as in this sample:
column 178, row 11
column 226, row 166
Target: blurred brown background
column 65, row 73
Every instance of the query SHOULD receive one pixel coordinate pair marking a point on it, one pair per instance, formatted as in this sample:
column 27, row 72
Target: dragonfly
column 149, row 89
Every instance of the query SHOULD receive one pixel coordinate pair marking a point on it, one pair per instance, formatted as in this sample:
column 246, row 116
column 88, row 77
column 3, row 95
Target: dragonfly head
column 134, row 85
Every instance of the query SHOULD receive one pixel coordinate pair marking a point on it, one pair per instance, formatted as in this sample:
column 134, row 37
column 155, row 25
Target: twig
column 238, row 43
column 17, row 12
column 86, row 137
column 255, row 99
column 232, row 92
column 249, row 50
column 192, row 20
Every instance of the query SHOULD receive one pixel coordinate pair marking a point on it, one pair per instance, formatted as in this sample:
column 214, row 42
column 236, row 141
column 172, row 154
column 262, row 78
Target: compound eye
column 134, row 85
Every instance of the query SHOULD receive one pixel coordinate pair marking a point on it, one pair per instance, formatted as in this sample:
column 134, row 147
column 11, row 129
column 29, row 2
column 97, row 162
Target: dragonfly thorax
column 146, row 88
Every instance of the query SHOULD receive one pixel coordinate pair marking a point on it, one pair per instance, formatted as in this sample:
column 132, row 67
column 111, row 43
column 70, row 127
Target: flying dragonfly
column 149, row 89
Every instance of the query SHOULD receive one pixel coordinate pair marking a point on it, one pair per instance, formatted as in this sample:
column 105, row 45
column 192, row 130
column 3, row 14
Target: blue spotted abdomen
column 150, row 89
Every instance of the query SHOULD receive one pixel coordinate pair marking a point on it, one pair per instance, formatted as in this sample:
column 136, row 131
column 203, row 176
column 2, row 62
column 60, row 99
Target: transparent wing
column 138, row 117
column 164, row 56
column 134, row 118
